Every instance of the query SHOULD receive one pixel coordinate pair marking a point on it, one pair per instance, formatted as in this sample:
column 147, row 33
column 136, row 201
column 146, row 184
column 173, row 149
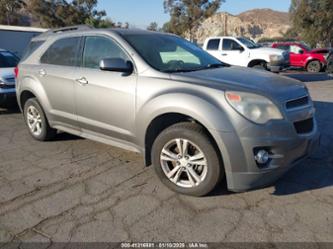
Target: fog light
column 262, row 157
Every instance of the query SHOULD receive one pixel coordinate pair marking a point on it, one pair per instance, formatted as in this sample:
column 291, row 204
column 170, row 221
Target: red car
column 302, row 56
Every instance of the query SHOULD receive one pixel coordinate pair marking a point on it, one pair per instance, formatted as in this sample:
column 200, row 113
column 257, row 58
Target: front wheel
column 37, row 122
column 313, row 67
column 186, row 160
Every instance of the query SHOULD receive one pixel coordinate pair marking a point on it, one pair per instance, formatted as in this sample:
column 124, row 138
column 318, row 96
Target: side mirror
column 241, row 49
column 116, row 65
column 300, row 51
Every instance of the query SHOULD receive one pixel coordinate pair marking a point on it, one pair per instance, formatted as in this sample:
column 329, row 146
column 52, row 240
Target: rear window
column 64, row 52
column 213, row 44
column 8, row 59
column 33, row 46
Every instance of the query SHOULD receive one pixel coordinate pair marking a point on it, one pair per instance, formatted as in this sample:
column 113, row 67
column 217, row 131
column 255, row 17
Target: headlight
column 256, row 108
column 275, row 57
column 2, row 84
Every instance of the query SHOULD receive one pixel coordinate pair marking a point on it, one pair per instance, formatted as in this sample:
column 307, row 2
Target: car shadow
column 317, row 171
column 9, row 109
column 63, row 136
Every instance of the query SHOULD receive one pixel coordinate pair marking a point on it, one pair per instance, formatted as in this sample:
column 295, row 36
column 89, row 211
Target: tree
column 187, row 15
column 313, row 20
column 153, row 26
column 9, row 10
column 60, row 13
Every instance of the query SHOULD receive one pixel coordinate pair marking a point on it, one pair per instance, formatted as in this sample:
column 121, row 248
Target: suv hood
column 269, row 51
column 245, row 79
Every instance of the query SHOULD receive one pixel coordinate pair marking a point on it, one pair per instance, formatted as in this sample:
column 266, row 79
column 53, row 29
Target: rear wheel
column 186, row 160
column 37, row 122
column 313, row 67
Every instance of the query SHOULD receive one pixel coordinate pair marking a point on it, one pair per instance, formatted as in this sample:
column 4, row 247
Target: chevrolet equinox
column 196, row 119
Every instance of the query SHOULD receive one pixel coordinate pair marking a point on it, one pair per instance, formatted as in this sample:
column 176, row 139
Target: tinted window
column 33, row 46
column 213, row 44
column 8, row 59
column 229, row 44
column 99, row 48
column 63, row 52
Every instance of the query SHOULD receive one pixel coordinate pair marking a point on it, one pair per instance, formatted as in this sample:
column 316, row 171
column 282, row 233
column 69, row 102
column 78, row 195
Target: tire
column 207, row 168
column 37, row 122
column 313, row 67
column 261, row 66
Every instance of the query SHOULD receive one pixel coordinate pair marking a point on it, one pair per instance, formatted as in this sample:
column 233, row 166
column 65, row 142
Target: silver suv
column 197, row 120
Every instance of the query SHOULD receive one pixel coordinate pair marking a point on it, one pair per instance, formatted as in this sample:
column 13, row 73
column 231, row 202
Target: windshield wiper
column 180, row 70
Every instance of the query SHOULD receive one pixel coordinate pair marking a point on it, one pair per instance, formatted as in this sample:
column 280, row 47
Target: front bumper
column 278, row 66
column 294, row 151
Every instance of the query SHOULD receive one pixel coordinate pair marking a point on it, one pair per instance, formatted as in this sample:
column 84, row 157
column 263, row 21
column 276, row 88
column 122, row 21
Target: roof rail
column 66, row 29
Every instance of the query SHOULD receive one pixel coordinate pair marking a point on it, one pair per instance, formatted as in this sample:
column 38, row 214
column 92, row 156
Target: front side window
column 213, row 44
column 64, row 52
column 229, row 44
column 98, row 48
column 8, row 59
column 168, row 53
column 295, row 49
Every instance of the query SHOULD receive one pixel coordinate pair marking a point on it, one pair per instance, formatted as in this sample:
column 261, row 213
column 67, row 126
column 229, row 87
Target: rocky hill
column 255, row 24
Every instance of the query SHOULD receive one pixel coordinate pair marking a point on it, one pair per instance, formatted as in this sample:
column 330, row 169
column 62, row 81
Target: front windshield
column 248, row 43
column 169, row 53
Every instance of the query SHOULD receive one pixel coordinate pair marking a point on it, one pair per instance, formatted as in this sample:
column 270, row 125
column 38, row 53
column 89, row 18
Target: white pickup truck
column 244, row 52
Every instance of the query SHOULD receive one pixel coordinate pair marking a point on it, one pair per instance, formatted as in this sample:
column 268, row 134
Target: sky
column 140, row 13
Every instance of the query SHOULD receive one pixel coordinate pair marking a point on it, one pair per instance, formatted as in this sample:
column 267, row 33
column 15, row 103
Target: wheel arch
column 156, row 118
column 256, row 62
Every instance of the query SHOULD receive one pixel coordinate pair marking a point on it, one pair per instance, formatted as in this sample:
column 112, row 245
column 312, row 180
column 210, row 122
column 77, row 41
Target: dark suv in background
column 8, row 62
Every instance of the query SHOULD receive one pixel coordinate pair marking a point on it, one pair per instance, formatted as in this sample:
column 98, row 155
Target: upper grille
column 304, row 101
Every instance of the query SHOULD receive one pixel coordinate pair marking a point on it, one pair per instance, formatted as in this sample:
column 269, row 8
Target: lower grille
column 305, row 126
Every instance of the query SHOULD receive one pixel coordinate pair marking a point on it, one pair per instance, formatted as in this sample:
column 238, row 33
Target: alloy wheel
column 34, row 121
column 184, row 163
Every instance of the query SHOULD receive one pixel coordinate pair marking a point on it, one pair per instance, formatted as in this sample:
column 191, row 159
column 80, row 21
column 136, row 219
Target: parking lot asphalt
column 73, row 189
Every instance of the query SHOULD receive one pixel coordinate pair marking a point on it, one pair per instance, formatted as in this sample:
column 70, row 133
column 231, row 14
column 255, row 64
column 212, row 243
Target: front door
column 105, row 100
column 233, row 53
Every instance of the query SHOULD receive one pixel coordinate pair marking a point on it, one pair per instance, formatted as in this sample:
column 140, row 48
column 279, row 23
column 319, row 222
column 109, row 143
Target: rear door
column 57, row 72
column 213, row 47
column 105, row 100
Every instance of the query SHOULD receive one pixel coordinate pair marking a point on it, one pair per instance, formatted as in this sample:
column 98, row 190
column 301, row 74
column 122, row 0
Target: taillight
column 16, row 71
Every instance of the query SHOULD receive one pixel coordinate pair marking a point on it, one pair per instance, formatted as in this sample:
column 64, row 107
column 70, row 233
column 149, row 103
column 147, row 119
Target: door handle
column 83, row 81
column 224, row 54
column 42, row 73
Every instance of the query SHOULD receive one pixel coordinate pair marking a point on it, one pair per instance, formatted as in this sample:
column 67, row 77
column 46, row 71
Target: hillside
column 256, row 24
